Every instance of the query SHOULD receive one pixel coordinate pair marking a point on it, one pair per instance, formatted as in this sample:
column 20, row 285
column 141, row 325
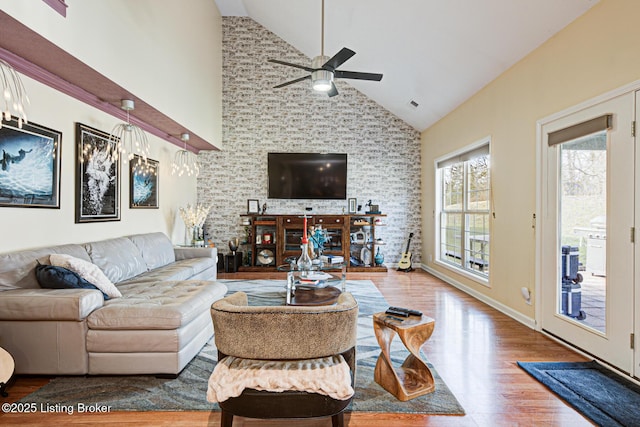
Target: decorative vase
column 233, row 245
column 304, row 262
column 196, row 239
column 379, row 258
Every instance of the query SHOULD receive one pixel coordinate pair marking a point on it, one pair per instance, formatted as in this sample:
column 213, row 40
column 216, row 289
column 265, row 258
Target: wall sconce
column 14, row 96
column 128, row 139
column 185, row 162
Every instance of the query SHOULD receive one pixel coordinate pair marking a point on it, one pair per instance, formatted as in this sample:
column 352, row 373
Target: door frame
column 541, row 193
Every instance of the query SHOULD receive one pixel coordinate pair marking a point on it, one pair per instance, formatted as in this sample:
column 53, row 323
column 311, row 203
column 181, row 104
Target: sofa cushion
column 188, row 252
column 156, row 249
column 118, row 258
column 17, row 269
column 30, row 305
column 147, row 340
column 54, row 277
column 157, row 305
column 179, row 270
column 88, row 271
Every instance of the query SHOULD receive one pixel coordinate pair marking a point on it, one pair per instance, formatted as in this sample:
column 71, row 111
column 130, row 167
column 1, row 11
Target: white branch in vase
column 194, row 216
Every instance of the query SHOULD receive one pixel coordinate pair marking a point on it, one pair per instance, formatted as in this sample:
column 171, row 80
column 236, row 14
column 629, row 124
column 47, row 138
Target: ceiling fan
column 324, row 69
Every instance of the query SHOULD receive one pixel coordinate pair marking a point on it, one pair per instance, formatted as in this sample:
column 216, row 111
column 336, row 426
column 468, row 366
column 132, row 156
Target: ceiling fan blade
column 292, row 82
column 357, row 75
column 302, row 67
column 338, row 59
column 333, row 91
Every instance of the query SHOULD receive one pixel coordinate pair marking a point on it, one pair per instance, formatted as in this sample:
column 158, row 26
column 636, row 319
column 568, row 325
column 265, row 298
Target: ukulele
column 405, row 261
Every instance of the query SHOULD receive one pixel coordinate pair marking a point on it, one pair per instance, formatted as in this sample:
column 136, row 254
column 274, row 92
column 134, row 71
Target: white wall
column 153, row 39
column 595, row 54
column 166, row 52
column 32, row 227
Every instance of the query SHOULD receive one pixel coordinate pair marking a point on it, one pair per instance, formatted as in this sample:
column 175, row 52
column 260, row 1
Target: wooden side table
column 7, row 366
column 413, row 378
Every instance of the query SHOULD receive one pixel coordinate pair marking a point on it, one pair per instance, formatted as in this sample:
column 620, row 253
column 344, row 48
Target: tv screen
column 307, row 176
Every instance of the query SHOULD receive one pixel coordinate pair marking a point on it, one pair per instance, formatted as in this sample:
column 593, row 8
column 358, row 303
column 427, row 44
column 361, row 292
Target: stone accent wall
column 383, row 151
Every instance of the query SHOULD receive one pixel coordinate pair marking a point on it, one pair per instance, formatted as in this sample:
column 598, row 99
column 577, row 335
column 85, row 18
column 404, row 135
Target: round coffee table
column 7, row 366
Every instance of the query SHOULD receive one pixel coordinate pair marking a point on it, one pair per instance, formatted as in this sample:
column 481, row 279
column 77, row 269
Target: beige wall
column 595, row 54
column 194, row 85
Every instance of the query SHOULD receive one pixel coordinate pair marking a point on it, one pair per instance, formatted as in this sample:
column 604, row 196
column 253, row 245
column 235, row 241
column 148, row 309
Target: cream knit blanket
column 328, row 375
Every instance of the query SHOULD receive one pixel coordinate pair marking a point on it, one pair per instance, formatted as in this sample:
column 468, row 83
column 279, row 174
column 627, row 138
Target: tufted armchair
column 303, row 343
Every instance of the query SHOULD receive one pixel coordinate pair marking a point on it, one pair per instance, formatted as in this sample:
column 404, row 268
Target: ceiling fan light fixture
column 322, row 80
column 324, row 70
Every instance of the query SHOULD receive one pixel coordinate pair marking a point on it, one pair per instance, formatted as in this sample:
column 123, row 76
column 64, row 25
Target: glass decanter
column 304, row 262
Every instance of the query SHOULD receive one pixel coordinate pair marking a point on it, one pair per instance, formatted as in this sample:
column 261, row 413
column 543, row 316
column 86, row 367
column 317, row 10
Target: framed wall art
column 353, row 202
column 29, row 165
column 143, row 183
column 97, row 176
column 253, row 206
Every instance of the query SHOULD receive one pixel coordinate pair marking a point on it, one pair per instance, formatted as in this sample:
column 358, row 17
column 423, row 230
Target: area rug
column 597, row 393
column 187, row 392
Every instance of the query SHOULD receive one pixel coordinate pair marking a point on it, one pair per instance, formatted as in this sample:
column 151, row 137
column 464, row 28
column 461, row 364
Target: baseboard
column 515, row 315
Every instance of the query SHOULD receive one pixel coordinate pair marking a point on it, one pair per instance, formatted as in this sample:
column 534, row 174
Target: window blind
column 480, row 151
column 581, row 129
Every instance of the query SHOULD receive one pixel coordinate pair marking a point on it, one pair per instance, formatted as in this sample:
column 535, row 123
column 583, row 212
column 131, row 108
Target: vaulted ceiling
column 434, row 53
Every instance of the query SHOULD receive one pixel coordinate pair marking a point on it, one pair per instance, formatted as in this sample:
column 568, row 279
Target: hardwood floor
column 474, row 348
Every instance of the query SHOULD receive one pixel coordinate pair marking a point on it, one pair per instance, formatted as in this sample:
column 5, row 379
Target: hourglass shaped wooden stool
column 413, row 378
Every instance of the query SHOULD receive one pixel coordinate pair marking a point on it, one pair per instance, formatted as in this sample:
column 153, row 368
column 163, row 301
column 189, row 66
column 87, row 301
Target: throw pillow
column 53, row 277
column 88, row 271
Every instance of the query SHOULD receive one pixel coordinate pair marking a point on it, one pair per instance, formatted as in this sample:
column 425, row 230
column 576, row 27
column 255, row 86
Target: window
column 463, row 209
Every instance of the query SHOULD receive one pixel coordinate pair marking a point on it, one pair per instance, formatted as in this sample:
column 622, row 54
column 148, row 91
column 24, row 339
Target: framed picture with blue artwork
column 97, row 176
column 29, row 165
column 143, row 183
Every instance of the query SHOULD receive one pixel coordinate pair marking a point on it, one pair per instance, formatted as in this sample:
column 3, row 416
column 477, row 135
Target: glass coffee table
column 320, row 286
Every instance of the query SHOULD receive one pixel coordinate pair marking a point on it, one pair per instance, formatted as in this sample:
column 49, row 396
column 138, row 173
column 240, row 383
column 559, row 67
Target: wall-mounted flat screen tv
column 307, row 176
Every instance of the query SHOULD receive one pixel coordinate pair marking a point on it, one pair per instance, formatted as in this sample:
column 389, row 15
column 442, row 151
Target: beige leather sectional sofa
column 158, row 325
